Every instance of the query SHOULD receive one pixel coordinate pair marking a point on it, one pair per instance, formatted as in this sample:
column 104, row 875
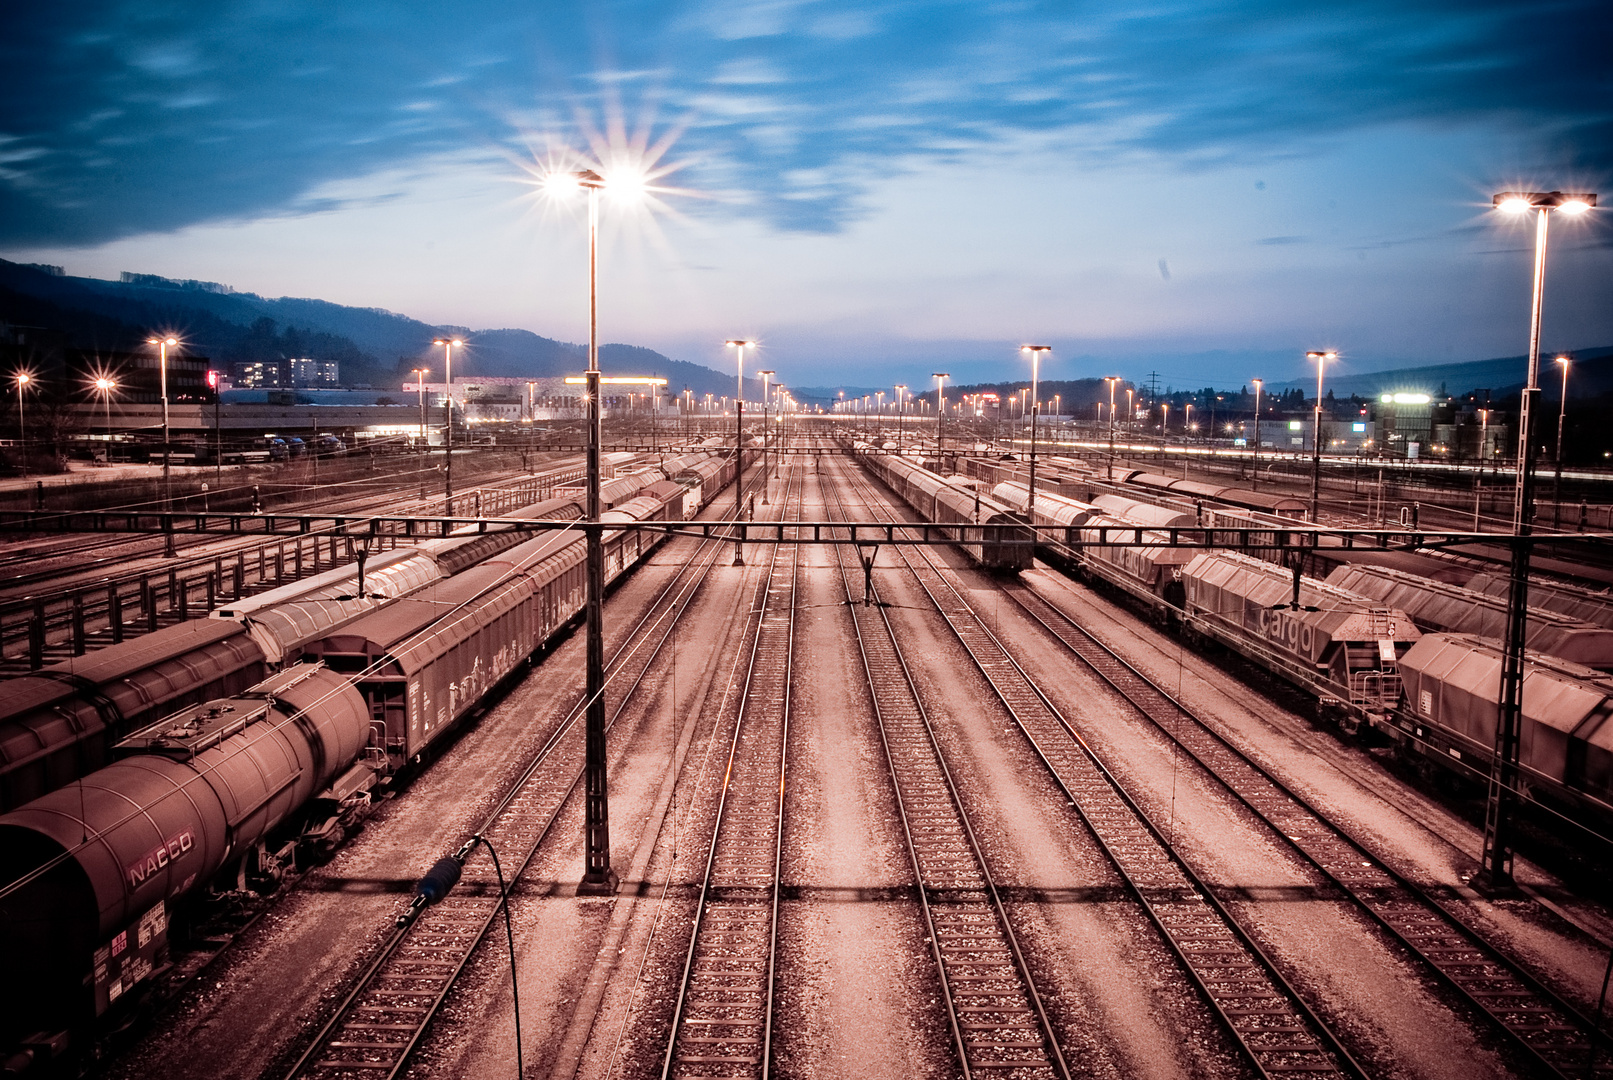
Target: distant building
column 301, row 373
column 260, row 374
column 138, row 377
column 312, row 374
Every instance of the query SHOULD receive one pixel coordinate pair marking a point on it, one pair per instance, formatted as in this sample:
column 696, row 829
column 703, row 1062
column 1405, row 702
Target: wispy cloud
column 223, row 111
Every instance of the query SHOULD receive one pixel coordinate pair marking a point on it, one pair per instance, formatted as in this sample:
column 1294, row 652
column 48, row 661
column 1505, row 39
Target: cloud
column 127, row 118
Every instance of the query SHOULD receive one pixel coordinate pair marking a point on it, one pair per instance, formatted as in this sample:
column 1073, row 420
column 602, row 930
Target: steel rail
column 722, row 1022
column 1532, row 1016
column 993, row 1007
column 1277, row 1030
column 446, row 936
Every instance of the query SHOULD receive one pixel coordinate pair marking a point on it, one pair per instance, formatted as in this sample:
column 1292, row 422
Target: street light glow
column 1516, row 202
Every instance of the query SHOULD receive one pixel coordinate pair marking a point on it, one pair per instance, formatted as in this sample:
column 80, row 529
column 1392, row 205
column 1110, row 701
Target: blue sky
column 869, row 189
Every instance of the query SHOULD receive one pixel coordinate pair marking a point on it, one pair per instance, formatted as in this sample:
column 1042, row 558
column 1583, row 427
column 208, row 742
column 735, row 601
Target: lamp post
column 162, row 344
column 766, row 434
column 739, row 346
column 940, row 406
column 1562, row 416
column 1496, row 860
column 420, row 374
column 1131, row 408
column 1164, row 419
column 1035, row 352
column 23, row 379
column 1255, row 459
column 1322, row 359
column 1112, row 380
column 448, row 377
column 1187, row 420
column 598, row 877
column 901, row 416
column 104, row 386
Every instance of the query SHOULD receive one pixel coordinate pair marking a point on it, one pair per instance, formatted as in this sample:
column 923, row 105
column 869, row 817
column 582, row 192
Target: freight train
column 57, row 724
column 245, row 783
column 1177, row 487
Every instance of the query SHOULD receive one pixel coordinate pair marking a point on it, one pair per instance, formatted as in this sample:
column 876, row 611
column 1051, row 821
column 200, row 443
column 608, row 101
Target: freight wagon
column 1443, row 607
column 96, row 865
column 1452, row 706
column 1341, row 646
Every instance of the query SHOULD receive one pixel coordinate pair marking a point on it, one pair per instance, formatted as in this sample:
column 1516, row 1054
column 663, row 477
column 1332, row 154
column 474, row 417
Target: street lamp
column 448, row 345
column 104, row 386
column 1187, row 420
column 23, row 379
column 940, row 406
column 766, row 375
column 1035, row 352
column 162, row 344
column 1255, row 460
column 1562, row 415
column 420, row 374
column 1131, row 409
column 901, row 417
column 598, row 877
column 1496, row 860
column 1322, row 359
column 1112, row 380
column 739, row 346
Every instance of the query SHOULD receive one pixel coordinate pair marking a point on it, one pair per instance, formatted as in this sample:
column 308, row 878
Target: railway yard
column 1063, row 784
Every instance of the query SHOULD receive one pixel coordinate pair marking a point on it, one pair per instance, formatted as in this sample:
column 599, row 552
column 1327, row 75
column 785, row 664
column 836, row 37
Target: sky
column 872, row 191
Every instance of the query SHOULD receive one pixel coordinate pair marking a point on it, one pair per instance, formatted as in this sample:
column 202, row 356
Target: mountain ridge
column 374, row 345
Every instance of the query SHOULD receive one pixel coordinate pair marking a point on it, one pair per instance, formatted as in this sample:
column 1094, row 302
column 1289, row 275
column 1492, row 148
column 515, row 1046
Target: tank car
column 89, row 872
column 1340, row 645
column 1452, row 705
column 1440, row 606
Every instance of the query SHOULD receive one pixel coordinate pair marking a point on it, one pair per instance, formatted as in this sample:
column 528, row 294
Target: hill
column 374, row 346
column 1592, row 376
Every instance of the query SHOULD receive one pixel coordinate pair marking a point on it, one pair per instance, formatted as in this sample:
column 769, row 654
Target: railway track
column 722, row 1024
column 1269, row 1020
column 1535, row 1019
column 997, row 1020
column 381, row 1021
